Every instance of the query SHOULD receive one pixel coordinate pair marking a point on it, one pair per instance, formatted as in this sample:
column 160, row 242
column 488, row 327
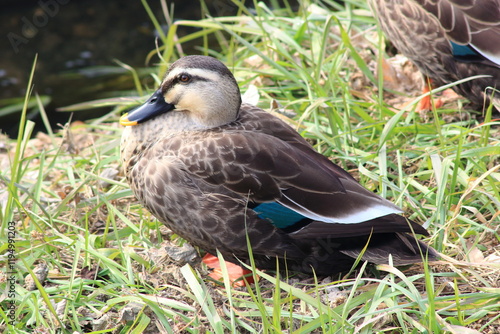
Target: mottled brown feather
column 422, row 31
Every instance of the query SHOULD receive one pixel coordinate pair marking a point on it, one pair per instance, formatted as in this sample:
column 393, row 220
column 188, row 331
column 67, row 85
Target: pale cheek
column 195, row 103
column 171, row 95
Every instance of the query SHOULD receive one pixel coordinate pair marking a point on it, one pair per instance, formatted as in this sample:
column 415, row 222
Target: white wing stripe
column 367, row 213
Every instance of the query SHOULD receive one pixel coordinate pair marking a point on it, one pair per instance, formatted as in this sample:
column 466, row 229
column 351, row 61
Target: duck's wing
column 266, row 169
column 448, row 40
column 469, row 30
column 469, row 23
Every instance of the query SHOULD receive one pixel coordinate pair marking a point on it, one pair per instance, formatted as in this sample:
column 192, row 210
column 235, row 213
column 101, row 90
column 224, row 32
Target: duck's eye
column 184, row 78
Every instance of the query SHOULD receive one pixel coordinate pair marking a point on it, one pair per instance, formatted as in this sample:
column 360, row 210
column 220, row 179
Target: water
column 71, row 35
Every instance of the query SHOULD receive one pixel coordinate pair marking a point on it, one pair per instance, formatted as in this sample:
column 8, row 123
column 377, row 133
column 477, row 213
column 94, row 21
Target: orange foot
column 426, row 102
column 237, row 275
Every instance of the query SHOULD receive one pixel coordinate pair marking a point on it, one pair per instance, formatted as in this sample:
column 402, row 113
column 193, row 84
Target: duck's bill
column 154, row 106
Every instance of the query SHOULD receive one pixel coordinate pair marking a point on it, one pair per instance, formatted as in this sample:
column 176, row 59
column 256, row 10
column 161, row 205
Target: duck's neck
column 136, row 138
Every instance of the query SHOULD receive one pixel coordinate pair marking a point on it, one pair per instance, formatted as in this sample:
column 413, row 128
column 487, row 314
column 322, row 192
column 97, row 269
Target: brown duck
column 215, row 171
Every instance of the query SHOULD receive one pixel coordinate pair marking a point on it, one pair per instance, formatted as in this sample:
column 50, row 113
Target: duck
column 224, row 175
column 448, row 40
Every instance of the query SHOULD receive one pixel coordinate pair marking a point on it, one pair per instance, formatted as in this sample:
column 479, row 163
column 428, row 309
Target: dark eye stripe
column 194, row 77
column 167, row 85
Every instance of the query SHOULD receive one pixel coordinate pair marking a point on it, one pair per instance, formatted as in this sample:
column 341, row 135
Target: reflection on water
column 69, row 35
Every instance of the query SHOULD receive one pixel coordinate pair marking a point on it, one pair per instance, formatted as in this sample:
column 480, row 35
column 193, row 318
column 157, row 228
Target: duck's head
column 197, row 92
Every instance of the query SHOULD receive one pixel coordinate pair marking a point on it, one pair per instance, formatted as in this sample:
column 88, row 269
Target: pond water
column 70, row 36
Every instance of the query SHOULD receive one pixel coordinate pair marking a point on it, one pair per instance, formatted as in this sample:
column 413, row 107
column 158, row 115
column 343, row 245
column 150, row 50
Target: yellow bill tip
column 125, row 122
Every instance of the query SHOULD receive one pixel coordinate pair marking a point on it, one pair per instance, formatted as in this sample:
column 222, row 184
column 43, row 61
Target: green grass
column 103, row 251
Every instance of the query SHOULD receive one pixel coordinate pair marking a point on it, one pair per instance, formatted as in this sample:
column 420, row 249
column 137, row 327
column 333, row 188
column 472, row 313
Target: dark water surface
column 70, row 36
